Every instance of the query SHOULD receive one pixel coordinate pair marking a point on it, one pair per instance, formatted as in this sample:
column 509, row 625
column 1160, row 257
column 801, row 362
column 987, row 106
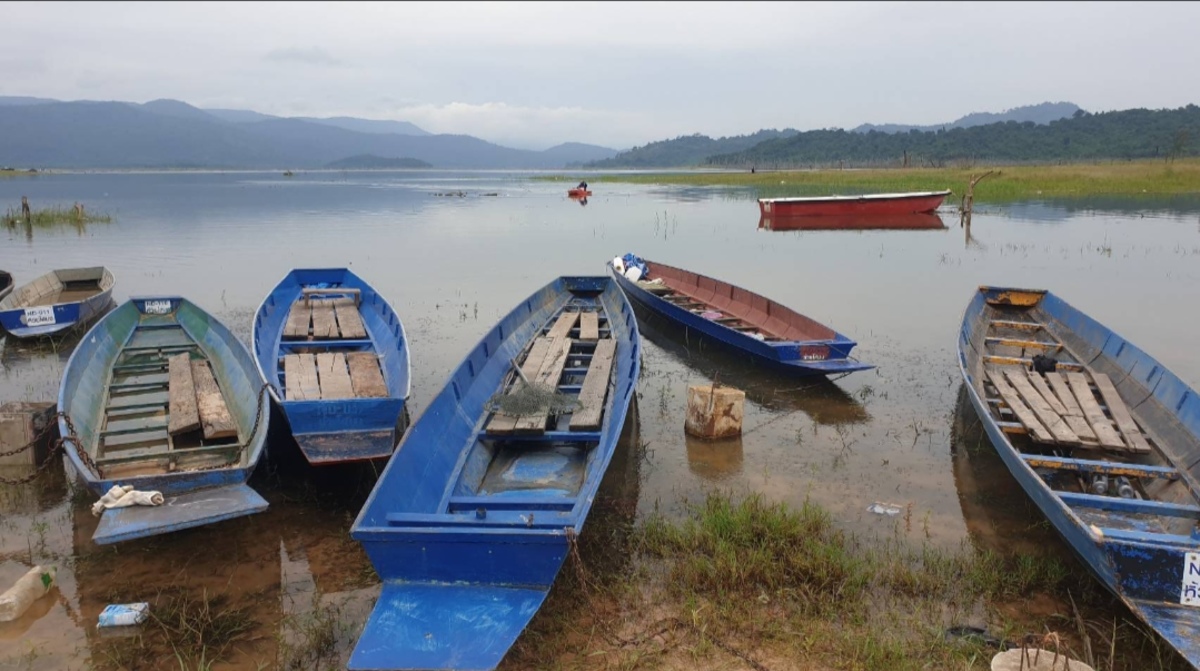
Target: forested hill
column 686, row 150
column 1128, row 134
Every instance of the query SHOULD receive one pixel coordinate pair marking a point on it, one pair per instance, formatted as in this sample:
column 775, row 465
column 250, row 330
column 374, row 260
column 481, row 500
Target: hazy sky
column 615, row 74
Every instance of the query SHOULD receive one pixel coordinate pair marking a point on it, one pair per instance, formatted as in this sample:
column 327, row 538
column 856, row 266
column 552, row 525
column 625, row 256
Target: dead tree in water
column 968, row 200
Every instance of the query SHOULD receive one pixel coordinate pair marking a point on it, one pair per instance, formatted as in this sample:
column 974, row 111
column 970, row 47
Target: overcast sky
column 615, row 74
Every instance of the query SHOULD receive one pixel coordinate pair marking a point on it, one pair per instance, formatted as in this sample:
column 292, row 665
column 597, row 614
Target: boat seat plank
column 365, row 375
column 1024, row 344
column 1139, row 506
column 1050, row 419
column 333, row 376
column 562, row 327
column 504, row 424
column 1021, row 326
column 125, row 441
column 1039, row 383
column 1026, row 362
column 181, row 396
column 350, row 323
column 298, row 320
column 548, row 376
column 300, row 377
column 1065, row 396
column 1022, row 411
column 589, row 326
column 214, row 414
column 595, row 387
column 1107, row 467
column 1116, row 406
column 323, row 320
column 1100, row 423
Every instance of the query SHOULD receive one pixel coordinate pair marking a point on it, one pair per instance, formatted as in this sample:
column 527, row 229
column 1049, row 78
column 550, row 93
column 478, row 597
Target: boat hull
column 578, row 193
column 340, row 429
column 194, row 495
column 815, row 357
column 1156, row 573
column 877, row 204
column 21, row 319
column 467, row 527
column 917, row 221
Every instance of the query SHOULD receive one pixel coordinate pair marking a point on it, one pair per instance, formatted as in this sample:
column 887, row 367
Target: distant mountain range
column 373, row 162
column 44, row 133
column 693, row 150
column 1042, row 113
column 686, row 150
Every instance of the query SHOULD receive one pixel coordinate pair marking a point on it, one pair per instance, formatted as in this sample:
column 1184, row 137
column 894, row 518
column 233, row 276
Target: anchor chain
column 55, row 450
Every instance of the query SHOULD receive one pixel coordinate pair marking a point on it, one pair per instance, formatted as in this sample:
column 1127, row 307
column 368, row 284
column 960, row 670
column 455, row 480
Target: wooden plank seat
column 332, row 375
column 181, row 392
column 214, row 414
column 312, row 318
column 595, row 388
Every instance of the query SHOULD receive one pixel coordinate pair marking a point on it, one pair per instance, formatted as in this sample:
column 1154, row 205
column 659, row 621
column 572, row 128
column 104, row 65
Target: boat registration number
column 1189, row 594
column 814, row 352
column 39, row 316
column 158, row 307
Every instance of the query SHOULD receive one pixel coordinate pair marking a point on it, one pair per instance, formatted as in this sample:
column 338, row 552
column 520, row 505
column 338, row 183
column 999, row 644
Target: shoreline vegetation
column 1006, row 184
column 744, row 583
column 53, row 216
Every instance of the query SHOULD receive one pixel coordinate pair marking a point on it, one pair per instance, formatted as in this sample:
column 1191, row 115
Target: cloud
column 526, row 127
column 303, row 55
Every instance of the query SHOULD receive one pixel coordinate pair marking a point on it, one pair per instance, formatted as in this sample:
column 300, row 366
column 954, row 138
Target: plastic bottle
column 29, row 588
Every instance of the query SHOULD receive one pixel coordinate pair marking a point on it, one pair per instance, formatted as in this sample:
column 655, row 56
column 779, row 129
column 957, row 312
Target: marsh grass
column 53, row 216
column 743, row 583
column 1009, row 184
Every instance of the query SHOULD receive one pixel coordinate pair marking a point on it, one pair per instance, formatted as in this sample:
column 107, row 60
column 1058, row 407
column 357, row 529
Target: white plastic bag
column 28, row 588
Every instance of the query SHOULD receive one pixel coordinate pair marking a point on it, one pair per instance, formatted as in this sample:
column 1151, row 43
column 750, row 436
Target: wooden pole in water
column 968, row 200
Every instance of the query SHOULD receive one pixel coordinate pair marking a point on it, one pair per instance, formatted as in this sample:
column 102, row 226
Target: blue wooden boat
column 1107, row 444
column 335, row 357
column 162, row 396
column 470, row 522
column 56, row 302
column 772, row 334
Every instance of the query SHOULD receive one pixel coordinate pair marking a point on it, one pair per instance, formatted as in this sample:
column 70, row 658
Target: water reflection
column 999, row 515
column 715, row 460
column 822, row 400
column 913, row 222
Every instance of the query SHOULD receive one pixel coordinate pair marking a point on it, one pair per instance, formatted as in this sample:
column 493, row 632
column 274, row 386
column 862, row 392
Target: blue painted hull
column 465, row 563
column 87, row 396
column 786, row 356
column 1153, row 568
column 66, row 315
column 330, row 431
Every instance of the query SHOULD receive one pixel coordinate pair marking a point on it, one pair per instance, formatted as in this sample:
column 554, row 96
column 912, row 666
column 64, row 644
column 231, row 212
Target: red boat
column 578, row 193
column 868, row 204
column 852, row 222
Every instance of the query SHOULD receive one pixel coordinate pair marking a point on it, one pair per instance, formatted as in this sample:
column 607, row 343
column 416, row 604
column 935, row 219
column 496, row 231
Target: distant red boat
column 924, row 221
column 868, row 204
column 578, row 193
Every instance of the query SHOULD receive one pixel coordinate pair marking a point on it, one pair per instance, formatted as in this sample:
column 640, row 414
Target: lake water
column 453, row 252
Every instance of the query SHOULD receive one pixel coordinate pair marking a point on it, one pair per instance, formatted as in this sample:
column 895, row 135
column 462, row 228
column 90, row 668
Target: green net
column 529, row 398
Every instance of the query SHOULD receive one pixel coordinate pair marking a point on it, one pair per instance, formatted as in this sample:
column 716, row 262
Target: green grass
column 741, row 583
column 1007, row 184
column 53, row 216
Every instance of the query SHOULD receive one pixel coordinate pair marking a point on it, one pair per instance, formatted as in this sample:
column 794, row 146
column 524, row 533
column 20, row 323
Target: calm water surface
column 452, row 265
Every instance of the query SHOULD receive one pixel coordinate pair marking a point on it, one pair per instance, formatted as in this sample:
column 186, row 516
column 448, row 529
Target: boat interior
column 61, row 286
column 731, row 306
column 530, row 455
column 164, row 410
column 1095, row 435
column 325, row 351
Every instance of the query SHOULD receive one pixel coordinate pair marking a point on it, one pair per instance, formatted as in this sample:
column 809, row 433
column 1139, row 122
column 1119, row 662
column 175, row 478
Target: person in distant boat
column 582, row 185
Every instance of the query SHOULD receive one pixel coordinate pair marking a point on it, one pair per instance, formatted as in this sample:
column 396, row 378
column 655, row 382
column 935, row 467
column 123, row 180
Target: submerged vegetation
column 1007, row 184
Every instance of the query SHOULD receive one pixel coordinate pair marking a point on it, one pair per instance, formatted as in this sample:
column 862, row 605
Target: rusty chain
column 59, row 446
column 249, row 438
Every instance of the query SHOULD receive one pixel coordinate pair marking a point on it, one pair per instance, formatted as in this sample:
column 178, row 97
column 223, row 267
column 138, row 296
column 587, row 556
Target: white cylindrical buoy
column 29, row 588
column 714, row 413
